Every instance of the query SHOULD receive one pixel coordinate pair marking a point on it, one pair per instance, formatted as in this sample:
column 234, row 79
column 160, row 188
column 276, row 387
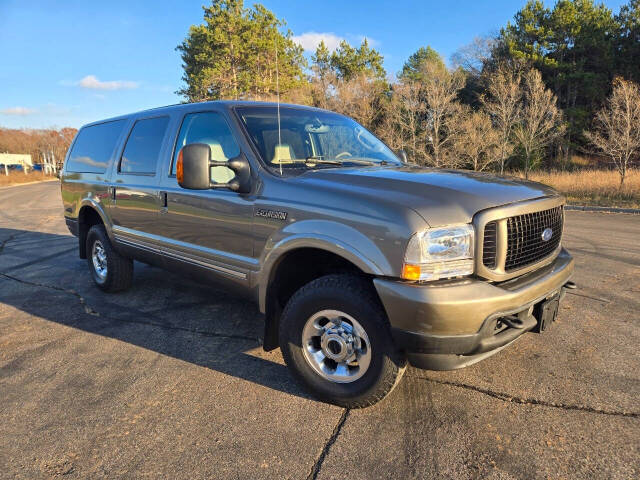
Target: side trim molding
column 175, row 255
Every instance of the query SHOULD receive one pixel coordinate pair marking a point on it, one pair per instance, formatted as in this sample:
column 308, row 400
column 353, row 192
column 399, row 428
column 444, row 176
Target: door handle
column 164, row 208
column 112, row 191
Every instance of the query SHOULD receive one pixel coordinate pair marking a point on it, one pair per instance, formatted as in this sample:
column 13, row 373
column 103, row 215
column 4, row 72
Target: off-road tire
column 355, row 296
column 119, row 268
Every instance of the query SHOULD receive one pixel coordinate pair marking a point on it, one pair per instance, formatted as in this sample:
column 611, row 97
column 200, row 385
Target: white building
column 9, row 159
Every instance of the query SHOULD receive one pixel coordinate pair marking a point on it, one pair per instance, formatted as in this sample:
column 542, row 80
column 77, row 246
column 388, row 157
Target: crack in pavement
column 23, row 232
column 315, row 470
column 603, row 300
column 528, row 401
column 91, row 311
column 9, row 239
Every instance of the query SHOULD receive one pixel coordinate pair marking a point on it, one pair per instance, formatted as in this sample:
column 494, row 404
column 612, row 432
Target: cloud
column 310, row 40
column 20, row 111
column 91, row 82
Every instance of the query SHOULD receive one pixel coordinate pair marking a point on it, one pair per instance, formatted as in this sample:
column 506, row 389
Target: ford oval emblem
column 547, row 234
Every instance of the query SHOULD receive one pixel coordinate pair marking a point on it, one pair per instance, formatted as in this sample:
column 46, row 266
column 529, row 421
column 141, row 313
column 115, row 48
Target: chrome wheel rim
column 99, row 259
column 336, row 346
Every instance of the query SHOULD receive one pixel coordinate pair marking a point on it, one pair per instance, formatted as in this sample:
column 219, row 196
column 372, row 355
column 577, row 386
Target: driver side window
column 211, row 129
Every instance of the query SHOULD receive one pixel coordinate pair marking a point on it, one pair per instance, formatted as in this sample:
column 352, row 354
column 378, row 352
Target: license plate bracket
column 546, row 313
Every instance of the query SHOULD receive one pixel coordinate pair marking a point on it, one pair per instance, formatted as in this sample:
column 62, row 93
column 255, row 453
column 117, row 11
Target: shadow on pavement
column 162, row 312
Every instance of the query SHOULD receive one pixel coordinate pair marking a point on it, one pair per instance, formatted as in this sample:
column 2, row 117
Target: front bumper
column 452, row 324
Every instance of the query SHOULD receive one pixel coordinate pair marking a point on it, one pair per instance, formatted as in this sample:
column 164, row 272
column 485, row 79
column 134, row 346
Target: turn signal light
column 410, row 272
column 179, row 168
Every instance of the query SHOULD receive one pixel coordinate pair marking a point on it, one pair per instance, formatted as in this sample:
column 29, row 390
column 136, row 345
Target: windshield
column 309, row 138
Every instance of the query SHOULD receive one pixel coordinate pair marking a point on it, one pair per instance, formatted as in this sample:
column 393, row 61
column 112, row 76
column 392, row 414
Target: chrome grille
column 524, row 237
column 489, row 247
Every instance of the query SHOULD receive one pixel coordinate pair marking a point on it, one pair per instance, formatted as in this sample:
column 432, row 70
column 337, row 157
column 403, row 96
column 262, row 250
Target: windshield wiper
column 317, row 160
column 359, row 161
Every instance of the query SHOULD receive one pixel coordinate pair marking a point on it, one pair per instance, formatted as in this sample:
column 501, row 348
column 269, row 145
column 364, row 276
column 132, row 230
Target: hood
column 441, row 197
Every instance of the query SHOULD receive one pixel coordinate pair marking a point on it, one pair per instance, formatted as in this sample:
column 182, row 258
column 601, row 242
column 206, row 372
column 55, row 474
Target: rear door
column 135, row 194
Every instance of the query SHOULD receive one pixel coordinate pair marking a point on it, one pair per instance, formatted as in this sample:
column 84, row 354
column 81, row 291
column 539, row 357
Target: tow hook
column 513, row 322
column 519, row 320
column 570, row 285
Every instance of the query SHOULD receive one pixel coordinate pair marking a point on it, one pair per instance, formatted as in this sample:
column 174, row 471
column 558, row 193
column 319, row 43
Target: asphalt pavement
column 168, row 380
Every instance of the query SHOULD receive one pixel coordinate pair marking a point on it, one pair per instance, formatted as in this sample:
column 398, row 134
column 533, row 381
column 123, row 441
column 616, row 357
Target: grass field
column 18, row 177
column 594, row 187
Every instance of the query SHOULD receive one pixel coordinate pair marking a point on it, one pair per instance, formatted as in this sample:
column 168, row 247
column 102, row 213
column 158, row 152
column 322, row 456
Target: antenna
column 278, row 106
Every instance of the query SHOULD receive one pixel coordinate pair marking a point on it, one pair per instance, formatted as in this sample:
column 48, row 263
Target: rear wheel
column 110, row 271
column 335, row 339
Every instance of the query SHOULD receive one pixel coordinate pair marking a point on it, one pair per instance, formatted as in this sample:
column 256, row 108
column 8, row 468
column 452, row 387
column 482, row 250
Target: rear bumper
column 72, row 225
column 453, row 324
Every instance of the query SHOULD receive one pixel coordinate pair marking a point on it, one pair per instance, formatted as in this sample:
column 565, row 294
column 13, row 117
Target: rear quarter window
column 94, row 147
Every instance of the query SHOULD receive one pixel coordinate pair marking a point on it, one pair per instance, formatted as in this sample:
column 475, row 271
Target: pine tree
column 232, row 54
column 413, row 68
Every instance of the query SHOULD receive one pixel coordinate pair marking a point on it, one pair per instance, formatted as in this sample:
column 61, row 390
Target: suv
column 359, row 261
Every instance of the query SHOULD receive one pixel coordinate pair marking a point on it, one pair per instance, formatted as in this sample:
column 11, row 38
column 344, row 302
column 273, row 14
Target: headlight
column 439, row 253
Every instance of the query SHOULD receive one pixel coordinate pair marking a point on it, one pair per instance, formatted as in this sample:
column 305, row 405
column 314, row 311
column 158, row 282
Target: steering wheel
column 365, row 142
column 343, row 155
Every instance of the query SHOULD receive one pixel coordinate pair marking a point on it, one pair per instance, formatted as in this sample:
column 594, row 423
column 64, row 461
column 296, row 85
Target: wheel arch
column 300, row 258
column 89, row 214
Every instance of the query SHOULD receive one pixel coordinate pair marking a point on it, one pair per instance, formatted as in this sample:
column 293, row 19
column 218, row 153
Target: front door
column 209, row 228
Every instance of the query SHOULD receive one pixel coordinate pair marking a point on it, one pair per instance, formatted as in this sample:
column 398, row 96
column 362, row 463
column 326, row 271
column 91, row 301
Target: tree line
column 49, row 143
column 554, row 81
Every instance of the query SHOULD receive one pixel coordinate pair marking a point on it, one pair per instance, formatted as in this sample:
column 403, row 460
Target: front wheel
column 335, row 339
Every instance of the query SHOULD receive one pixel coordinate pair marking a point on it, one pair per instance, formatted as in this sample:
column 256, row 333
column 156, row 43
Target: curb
column 28, row 183
column 587, row 208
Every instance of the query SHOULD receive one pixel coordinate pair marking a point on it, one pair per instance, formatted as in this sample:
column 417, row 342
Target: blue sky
column 65, row 63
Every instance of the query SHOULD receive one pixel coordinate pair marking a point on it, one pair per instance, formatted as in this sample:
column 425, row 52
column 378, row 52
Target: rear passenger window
column 143, row 146
column 93, row 149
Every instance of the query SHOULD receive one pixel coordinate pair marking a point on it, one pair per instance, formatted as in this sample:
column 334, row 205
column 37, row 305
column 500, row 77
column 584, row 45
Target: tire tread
column 120, row 269
column 362, row 289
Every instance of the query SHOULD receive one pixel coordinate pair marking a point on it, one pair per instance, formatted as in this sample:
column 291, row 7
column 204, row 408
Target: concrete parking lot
column 169, row 379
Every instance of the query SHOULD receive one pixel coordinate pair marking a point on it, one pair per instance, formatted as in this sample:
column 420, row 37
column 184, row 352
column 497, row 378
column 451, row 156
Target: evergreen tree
column 628, row 41
column 414, row 67
column 232, row 54
column 349, row 62
column 572, row 46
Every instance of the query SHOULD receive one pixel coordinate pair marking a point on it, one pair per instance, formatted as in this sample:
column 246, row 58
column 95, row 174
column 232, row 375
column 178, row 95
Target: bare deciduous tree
column 540, row 120
column 441, row 89
column 475, row 55
column 617, row 126
column 40, row 144
column 502, row 103
column 359, row 97
column 478, row 143
column 403, row 128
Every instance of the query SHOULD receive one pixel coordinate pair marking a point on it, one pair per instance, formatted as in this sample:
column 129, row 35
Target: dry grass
column 17, row 177
column 584, row 161
column 593, row 187
column 585, row 187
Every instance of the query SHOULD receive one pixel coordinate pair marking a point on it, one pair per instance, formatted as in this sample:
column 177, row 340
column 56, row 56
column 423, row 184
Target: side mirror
column 193, row 169
column 403, row 156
